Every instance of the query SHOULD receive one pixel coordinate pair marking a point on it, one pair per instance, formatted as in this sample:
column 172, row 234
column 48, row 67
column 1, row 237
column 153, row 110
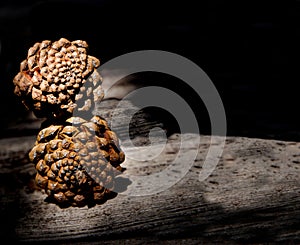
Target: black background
column 249, row 49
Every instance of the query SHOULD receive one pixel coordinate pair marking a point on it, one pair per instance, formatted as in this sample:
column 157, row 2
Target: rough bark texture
column 252, row 196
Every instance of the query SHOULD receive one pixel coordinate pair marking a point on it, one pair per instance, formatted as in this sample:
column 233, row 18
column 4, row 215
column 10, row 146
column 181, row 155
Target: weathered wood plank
column 253, row 195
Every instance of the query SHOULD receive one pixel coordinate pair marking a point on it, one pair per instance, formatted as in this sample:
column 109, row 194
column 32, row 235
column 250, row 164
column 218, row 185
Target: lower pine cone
column 77, row 162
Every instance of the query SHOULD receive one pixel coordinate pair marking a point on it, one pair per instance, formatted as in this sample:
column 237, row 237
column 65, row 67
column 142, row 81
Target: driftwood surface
column 252, row 196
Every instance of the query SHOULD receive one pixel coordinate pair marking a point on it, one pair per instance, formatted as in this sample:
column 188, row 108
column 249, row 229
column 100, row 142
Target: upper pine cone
column 51, row 79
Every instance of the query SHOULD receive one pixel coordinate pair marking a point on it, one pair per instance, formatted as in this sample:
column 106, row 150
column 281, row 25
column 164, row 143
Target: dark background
column 250, row 50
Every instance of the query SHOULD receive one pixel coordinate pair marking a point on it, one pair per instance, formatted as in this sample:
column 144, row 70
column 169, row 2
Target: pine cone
column 51, row 79
column 77, row 162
